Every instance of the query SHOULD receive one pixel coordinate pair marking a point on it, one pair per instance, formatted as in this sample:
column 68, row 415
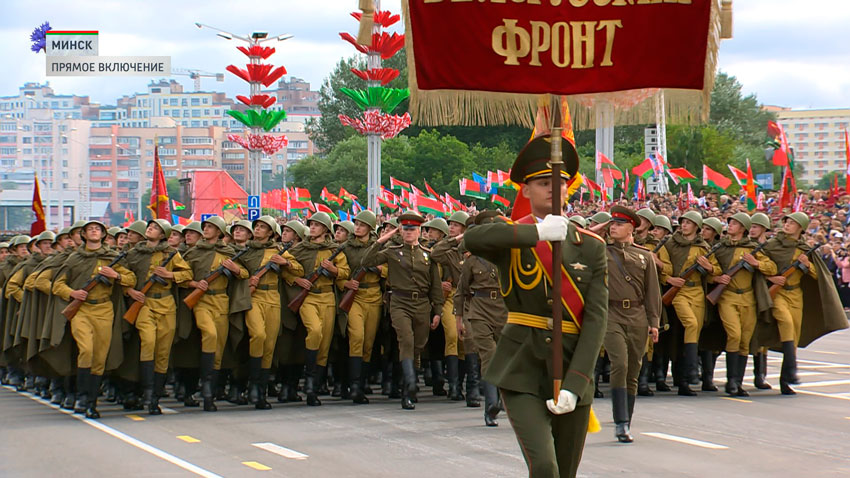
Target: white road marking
column 282, row 451
column 819, row 394
column 823, row 352
column 825, row 383
column 128, row 439
column 687, row 441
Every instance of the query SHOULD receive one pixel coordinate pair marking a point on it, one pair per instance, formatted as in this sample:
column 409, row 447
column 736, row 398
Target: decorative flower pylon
column 257, row 118
column 377, row 101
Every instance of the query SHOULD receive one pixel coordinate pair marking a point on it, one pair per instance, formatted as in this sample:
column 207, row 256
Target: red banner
column 559, row 46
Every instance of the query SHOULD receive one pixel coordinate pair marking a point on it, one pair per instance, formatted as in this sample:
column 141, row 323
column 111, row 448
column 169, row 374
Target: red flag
column 322, row 208
column 847, row 156
column 751, row 189
column 159, row 194
column 346, row 195
column 500, row 200
column 38, row 226
column 780, row 156
column 128, row 218
column 626, row 181
column 431, row 190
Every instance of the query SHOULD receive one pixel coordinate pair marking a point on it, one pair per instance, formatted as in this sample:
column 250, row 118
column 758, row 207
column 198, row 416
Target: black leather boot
column 732, row 373
column 321, row 381
column 630, row 399
column 208, row 385
column 708, row 360
column 70, row 393
column 491, row 404
column 158, row 392
column 428, row 372
column 387, row 378
column 355, row 374
column 262, row 402
column 788, row 374
column 365, row 378
column 94, row 390
column 452, row 372
column 760, row 372
column 689, row 364
column 83, row 379
column 408, row 398
column 310, row 378
column 146, row 381
column 643, row 379
column 742, row 369
column 397, row 380
column 438, row 383
column 473, row 380
column 254, row 371
column 597, row 377
column 619, row 405
column 294, row 373
column 189, row 378
column 57, row 391
column 659, row 363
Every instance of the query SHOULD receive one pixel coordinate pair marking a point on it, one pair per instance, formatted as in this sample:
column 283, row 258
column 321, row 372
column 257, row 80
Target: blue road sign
column 253, row 213
column 254, row 201
column 204, row 217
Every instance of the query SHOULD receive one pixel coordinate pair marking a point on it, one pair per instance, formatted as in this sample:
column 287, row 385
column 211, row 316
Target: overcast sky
column 789, row 52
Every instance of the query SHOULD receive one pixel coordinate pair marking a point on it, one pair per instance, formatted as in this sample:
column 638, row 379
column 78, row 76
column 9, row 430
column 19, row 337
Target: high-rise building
column 817, row 137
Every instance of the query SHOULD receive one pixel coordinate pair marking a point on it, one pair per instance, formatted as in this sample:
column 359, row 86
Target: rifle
column 661, row 244
column 348, row 298
column 71, row 309
column 668, row 296
column 786, row 272
column 194, row 297
column 269, row 266
column 714, row 295
column 133, row 312
column 295, row 303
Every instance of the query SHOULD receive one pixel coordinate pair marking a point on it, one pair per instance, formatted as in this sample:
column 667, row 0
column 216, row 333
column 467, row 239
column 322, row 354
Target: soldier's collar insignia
column 578, row 266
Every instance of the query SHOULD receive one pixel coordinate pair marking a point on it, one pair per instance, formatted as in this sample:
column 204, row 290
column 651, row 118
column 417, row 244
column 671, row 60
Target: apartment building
column 817, row 137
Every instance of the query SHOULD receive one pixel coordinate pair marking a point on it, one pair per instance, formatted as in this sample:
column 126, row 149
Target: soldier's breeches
column 485, row 335
column 449, row 322
column 318, row 312
column 411, row 323
column 92, row 330
column 552, row 445
column 363, row 320
column 263, row 323
column 739, row 321
column 691, row 313
column 625, row 345
column 212, row 321
column 157, row 324
column 788, row 312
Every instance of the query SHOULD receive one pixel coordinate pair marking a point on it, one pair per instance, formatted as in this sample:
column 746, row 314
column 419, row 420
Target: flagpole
column 556, row 160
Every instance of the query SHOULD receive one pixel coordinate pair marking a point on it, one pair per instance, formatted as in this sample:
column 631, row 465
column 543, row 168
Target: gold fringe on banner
column 486, row 108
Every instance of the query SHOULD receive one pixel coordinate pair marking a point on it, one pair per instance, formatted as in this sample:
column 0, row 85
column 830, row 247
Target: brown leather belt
column 741, row 291
column 791, row 287
column 321, row 290
column 367, row 285
column 625, row 303
column 98, row 301
column 410, row 294
column 486, row 293
column 216, row 292
column 265, row 287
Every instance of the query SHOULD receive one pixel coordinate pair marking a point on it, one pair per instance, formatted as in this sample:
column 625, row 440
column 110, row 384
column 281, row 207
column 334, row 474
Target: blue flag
column 344, row 216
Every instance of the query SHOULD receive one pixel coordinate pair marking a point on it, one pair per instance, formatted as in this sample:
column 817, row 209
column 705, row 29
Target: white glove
column 553, row 228
column 566, row 403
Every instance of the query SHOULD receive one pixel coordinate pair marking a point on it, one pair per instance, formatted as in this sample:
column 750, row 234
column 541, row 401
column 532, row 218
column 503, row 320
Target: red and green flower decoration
column 258, row 117
column 378, row 102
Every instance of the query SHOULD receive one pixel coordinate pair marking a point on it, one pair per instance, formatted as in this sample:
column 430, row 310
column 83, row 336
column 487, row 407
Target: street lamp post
column 255, row 173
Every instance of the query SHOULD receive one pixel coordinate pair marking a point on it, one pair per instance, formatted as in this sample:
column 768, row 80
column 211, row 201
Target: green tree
column 827, row 181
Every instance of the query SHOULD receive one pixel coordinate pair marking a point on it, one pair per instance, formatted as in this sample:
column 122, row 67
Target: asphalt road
column 706, row 436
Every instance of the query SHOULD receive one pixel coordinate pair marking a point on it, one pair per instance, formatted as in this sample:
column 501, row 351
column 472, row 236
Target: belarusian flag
column 643, row 169
column 751, row 188
column 387, row 204
column 396, row 184
column 322, row 208
column 602, row 162
column 714, row 179
column 594, row 188
column 740, row 176
column 177, row 205
column 471, row 188
column 329, row 197
column 427, row 205
column 681, row 175
column 302, row 194
column 453, row 203
column 345, row 194
column 430, row 190
column 500, row 200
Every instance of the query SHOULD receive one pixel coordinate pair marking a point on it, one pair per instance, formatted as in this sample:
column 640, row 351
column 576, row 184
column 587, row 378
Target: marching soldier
column 156, row 261
column 92, row 326
column 175, row 239
column 416, row 294
column 823, row 308
column 365, row 313
column 661, row 351
column 551, row 437
column 634, row 312
column 740, row 299
column 479, row 303
column 318, row 311
column 186, row 352
column 263, row 319
column 289, row 349
column 711, row 230
column 212, row 311
column 446, row 253
column 643, row 237
column 19, row 251
column 135, row 234
column 685, row 249
column 758, row 233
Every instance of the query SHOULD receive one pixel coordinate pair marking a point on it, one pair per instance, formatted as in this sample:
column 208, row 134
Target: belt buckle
column 414, row 295
column 627, row 304
column 493, row 295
